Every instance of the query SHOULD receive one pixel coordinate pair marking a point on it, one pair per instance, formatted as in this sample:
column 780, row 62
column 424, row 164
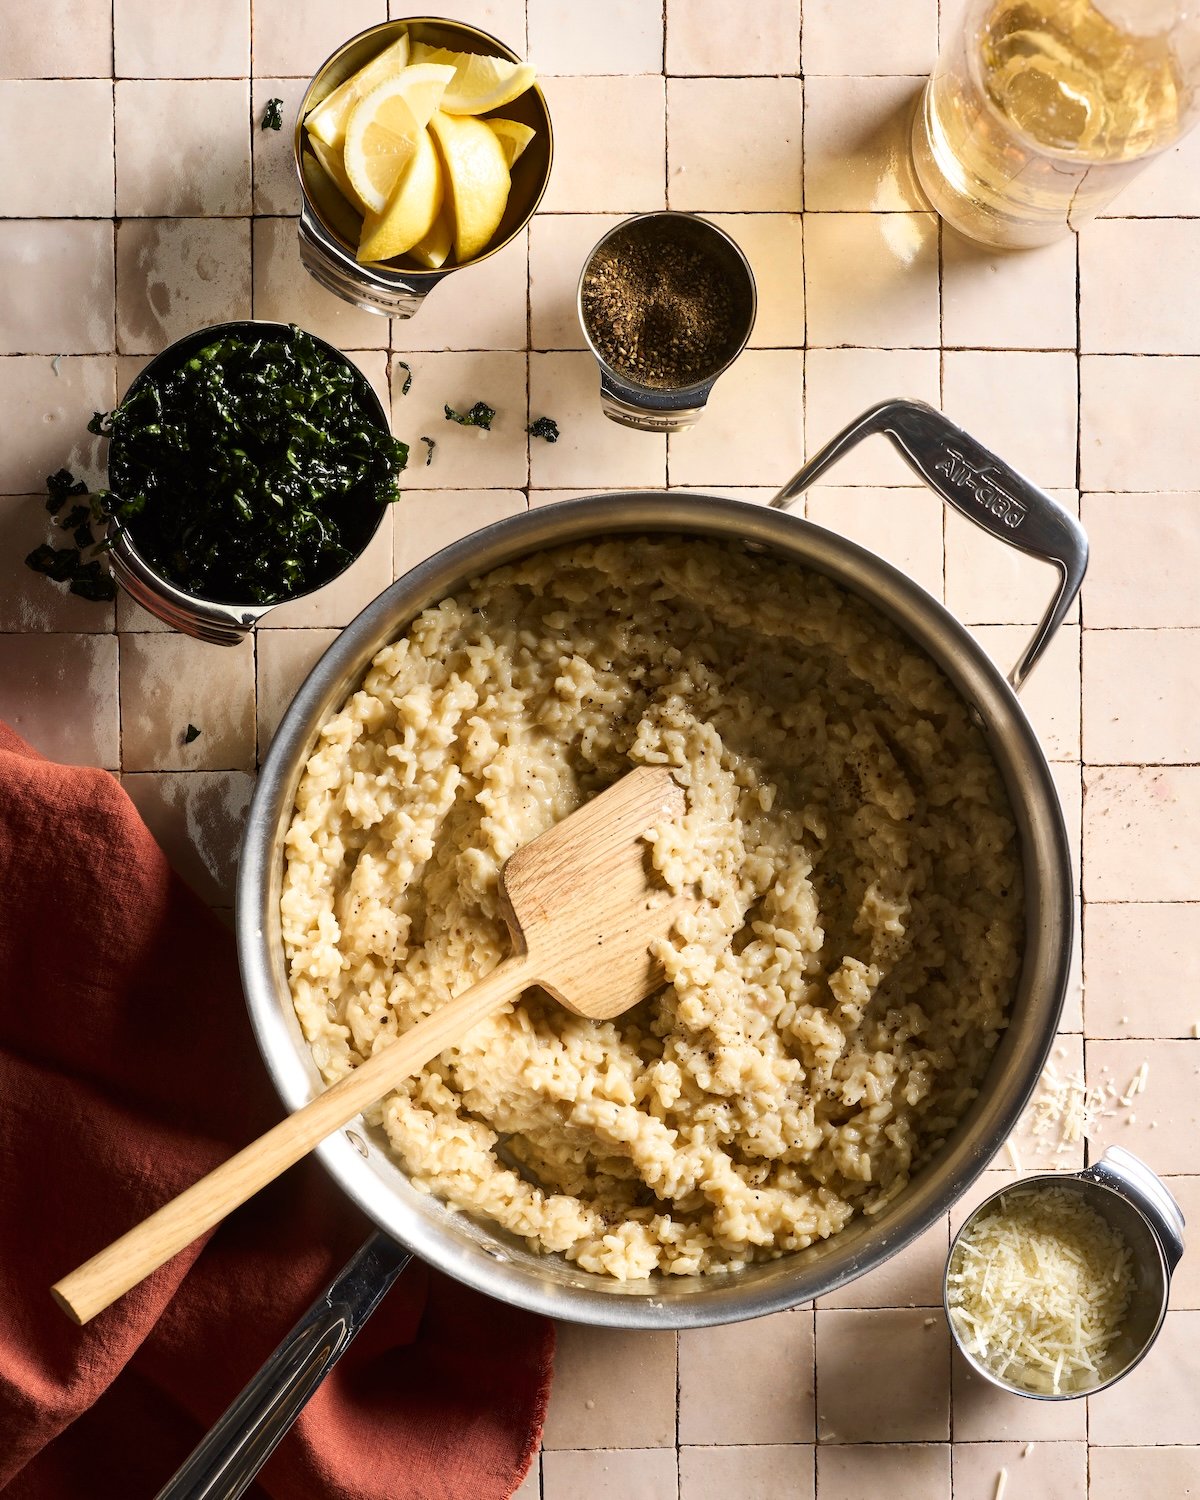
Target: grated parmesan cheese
column 1038, row 1286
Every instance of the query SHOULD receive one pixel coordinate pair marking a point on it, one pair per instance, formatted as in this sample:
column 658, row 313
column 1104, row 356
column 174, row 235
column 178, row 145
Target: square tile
column 902, row 1471
column 61, row 39
column 856, row 144
column 1122, row 309
column 30, row 601
column 1022, row 406
column 425, row 522
column 1051, row 695
column 1129, row 437
column 752, row 430
column 913, row 1278
column 176, row 39
column 774, row 246
column 841, row 384
column 1161, row 1125
column 993, row 299
column 699, row 39
column 1134, row 1473
column 286, row 293
column 871, row 280
column 197, row 817
column 276, row 187
column 984, row 1413
column 283, row 659
column 1156, row 1403
column 481, row 307
column 465, row 457
column 610, row 1474
column 347, row 595
column 1133, row 710
column 57, row 276
column 737, row 167
column 590, row 450
column 75, row 179
column 175, row 275
column 1117, row 1002
column 168, row 682
column 559, row 245
column 839, row 38
column 988, row 583
column 44, row 679
column 1144, row 561
column 47, row 405
column 1048, row 1471
column 1142, row 833
column 778, row 1472
column 904, row 526
column 772, row 1399
column 619, row 37
column 206, row 173
column 292, row 38
column 884, row 1377
column 613, row 1388
column 599, row 122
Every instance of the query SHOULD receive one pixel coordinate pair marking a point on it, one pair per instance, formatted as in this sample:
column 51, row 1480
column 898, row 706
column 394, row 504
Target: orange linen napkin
column 127, row 1070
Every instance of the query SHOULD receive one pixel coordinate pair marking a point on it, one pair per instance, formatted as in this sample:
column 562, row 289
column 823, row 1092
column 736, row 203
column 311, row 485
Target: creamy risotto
column 833, row 997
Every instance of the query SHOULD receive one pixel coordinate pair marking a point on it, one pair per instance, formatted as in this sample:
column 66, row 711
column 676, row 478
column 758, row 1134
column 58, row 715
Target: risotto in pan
column 834, row 995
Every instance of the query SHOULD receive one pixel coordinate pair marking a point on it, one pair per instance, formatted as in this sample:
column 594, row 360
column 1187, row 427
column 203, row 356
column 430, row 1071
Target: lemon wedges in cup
column 404, row 142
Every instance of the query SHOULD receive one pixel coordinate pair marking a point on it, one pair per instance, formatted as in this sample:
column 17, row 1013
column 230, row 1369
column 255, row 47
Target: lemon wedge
column 383, row 129
column 327, row 122
column 433, row 250
column 476, row 179
column 331, row 162
column 411, row 210
column 480, row 82
column 513, row 137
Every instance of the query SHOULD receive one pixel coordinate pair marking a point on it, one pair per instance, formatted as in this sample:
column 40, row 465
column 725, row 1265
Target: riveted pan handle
column 982, row 487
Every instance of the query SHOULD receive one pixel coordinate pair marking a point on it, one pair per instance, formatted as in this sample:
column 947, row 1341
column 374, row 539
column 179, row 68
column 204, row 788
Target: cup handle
column 1129, row 1175
column 982, row 487
column 397, row 296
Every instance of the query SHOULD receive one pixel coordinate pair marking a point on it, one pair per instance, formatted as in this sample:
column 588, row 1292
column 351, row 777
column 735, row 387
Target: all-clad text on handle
column 982, row 487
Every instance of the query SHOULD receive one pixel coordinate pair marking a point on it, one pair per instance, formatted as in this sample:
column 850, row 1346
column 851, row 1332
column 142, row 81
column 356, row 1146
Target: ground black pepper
column 663, row 304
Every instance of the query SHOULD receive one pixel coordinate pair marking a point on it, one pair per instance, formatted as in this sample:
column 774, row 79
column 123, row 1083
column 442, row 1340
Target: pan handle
column 982, row 487
column 245, row 1436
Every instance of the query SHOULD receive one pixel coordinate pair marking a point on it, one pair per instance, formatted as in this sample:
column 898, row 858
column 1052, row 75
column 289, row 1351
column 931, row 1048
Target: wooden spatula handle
column 111, row 1273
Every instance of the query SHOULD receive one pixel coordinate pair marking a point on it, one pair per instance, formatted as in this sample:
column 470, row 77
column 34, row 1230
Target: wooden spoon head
column 586, row 903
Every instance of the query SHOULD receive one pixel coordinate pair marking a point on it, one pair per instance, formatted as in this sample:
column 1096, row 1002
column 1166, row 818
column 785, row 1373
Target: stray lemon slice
column 383, row 129
column 411, row 210
column 476, row 180
column 480, row 82
column 328, row 121
column 513, row 137
column 331, row 162
column 433, row 251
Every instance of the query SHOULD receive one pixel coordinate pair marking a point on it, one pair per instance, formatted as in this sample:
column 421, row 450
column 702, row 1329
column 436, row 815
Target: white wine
column 1042, row 110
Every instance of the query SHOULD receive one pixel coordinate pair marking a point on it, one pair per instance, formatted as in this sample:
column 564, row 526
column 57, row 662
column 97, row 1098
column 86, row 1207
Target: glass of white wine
column 1040, row 111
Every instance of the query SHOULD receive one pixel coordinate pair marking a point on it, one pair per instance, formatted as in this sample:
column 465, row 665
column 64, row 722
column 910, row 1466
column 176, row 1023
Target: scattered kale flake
column 252, row 469
column 190, row 733
column 544, row 427
column 91, row 581
column 60, row 487
column 273, row 115
column 407, row 368
column 480, row 415
column 430, row 445
column 58, row 563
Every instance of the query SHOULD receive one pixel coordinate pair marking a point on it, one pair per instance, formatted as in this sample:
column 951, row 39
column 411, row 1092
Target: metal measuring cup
column 1137, row 1205
column 626, row 400
column 328, row 226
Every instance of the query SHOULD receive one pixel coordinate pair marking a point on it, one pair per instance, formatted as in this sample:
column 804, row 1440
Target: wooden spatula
column 583, row 907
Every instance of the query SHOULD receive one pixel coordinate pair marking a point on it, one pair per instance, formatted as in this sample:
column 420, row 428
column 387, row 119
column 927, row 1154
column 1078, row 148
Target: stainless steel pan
column 991, row 494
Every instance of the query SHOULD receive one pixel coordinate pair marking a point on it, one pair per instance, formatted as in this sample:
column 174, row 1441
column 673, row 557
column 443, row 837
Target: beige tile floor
column 1079, row 363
